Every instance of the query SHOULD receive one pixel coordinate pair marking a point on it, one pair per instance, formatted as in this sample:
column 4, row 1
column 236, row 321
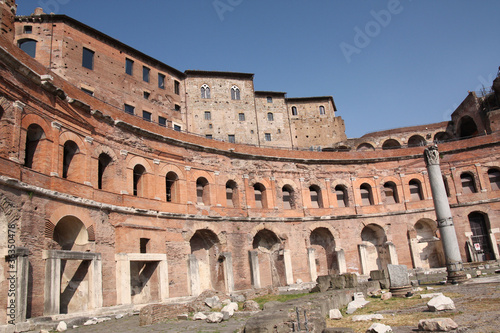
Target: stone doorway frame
column 123, row 287
column 52, row 295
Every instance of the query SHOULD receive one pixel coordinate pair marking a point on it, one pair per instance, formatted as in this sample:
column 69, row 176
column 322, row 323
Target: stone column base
column 400, row 291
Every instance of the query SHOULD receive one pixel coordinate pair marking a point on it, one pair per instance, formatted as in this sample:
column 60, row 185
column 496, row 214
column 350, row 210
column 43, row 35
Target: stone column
column 52, row 297
column 454, row 264
column 254, row 267
column 311, row 260
column 415, row 253
column 228, row 271
column 123, row 289
column 22, row 271
column 341, row 261
column 288, row 267
column 393, row 255
column 194, row 275
column 363, row 259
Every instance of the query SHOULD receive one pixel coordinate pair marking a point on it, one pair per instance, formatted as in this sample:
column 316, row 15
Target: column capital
column 431, row 155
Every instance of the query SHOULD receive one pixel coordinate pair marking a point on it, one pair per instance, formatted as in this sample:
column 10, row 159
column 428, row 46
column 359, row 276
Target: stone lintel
column 140, row 257
column 70, row 255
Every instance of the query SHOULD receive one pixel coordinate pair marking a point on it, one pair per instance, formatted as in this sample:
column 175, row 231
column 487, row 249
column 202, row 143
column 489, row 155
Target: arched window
column 415, row 190
column 467, row 127
column 468, row 183
column 270, row 116
column 33, row 136
column 288, row 202
column 365, row 147
column 235, row 93
column 322, row 110
column 28, row 46
column 366, row 194
column 171, row 185
column 390, row 193
column 391, row 144
column 416, row 141
column 104, row 177
column 441, row 137
column 202, row 193
column 139, row 183
column 232, row 194
column 70, row 150
column 260, row 196
column 205, row 91
column 342, row 199
column 494, row 178
column 316, row 200
column 294, row 111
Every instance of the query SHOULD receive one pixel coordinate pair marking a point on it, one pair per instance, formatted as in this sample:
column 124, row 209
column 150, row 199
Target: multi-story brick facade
column 105, row 208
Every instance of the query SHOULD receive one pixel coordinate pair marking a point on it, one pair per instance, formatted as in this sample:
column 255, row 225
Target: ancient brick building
column 124, row 181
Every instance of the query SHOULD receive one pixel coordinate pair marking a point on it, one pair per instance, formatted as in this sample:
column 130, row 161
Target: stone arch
column 70, row 233
column 82, row 215
column 323, row 243
column 416, row 141
column 481, row 247
column 174, row 178
column 72, row 157
column 374, row 253
column 288, row 194
column 139, row 176
column 261, row 192
column 365, row 146
column 343, row 192
column 108, row 171
column 468, row 182
column 467, row 127
column 269, row 249
column 416, row 189
column 35, row 147
column 426, row 247
column 442, row 137
column 206, row 257
column 391, row 144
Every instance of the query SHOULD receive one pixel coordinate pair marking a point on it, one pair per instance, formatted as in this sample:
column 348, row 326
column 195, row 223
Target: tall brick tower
column 7, row 14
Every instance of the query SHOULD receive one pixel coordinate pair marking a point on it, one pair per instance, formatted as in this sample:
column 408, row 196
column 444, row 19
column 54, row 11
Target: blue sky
column 387, row 63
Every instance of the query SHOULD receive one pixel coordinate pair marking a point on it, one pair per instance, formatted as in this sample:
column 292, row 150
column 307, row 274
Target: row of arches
column 37, row 147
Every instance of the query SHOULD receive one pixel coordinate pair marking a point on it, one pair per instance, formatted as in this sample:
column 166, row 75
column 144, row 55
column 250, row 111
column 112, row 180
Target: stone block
column 238, row 298
column 398, row 276
column 379, row 328
column 251, row 305
column 338, row 330
column 440, row 303
column 431, row 295
column 215, row 317
column 386, row 296
column 367, row 317
column 324, row 282
column 335, row 314
column 437, row 325
column 337, row 282
column 199, row 316
column 351, row 280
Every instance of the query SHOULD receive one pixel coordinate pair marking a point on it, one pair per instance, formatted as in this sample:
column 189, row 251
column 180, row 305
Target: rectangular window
column 177, row 128
column 231, row 138
column 129, row 109
column 208, row 115
column 269, row 99
column 146, row 115
column 177, row 107
column 208, row 136
column 321, row 109
column 177, row 87
column 88, row 58
column 129, row 66
column 146, row 94
column 28, row 29
column 87, row 91
column 162, row 121
column 267, row 136
column 145, row 73
column 161, row 81
column 241, row 116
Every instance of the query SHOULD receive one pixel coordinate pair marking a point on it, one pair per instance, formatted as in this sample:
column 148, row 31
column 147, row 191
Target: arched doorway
column 270, row 258
column 427, row 248
column 323, row 244
column 374, row 253
column 206, row 262
column 481, row 244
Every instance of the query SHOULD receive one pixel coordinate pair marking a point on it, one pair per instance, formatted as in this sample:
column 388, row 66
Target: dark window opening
column 267, row 136
column 315, row 193
column 139, row 186
column 415, row 190
column 162, row 121
column 177, row 107
column 390, row 193
column 494, row 178
column 28, row 46
column 146, row 94
column 33, row 137
column 88, row 91
column 208, row 115
column 145, row 73
column 231, row 138
column 129, row 66
column 288, row 202
column 177, row 128
column 129, row 109
column 366, row 195
column 468, row 183
column 235, row 93
column 70, row 150
column 322, row 110
column 171, row 186
column 177, row 87
column 205, row 91
column 208, row 136
column 270, row 116
column 28, row 29
column 146, row 115
column 341, row 193
column 269, row 99
column 102, row 178
column 161, row 81
column 241, row 116
column 88, row 58
column 144, row 245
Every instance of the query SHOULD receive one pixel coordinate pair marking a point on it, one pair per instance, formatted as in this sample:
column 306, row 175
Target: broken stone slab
column 431, row 295
column 358, row 295
column 386, row 296
column 238, row 298
column 103, row 319
column 251, row 305
column 441, row 303
column 367, row 317
column 213, row 302
column 357, row 304
column 379, row 328
column 323, row 283
column 382, row 277
column 335, row 314
column 183, row 316
column 437, row 325
column 199, row 316
column 89, row 322
column 61, row 327
column 351, row 280
column 215, row 317
column 338, row 330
